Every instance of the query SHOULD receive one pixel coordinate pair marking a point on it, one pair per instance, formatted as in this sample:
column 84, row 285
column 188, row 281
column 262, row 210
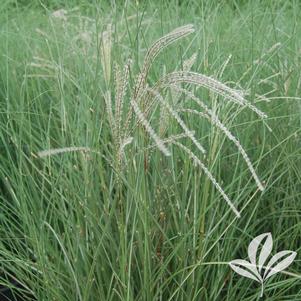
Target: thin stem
column 261, row 293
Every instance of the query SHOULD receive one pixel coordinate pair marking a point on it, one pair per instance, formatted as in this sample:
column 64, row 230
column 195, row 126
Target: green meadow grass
column 75, row 227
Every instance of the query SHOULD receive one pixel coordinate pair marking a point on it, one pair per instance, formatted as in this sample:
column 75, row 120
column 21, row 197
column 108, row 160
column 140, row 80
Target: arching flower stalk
column 144, row 101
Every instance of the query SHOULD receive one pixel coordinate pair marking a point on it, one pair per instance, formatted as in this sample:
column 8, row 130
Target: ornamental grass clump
column 130, row 107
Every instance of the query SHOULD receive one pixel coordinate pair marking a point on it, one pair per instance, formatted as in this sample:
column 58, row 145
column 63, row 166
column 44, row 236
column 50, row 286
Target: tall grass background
column 76, row 225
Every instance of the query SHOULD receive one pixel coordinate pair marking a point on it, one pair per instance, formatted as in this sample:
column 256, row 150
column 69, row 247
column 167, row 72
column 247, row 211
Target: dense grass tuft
column 131, row 143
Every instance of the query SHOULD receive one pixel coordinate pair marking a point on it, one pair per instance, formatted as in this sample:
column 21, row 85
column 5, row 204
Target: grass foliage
column 139, row 155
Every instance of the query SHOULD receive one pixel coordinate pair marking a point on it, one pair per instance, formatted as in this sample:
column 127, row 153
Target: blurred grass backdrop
column 71, row 228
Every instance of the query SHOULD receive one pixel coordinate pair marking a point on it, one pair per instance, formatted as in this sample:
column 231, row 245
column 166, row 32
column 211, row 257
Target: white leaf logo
column 258, row 251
